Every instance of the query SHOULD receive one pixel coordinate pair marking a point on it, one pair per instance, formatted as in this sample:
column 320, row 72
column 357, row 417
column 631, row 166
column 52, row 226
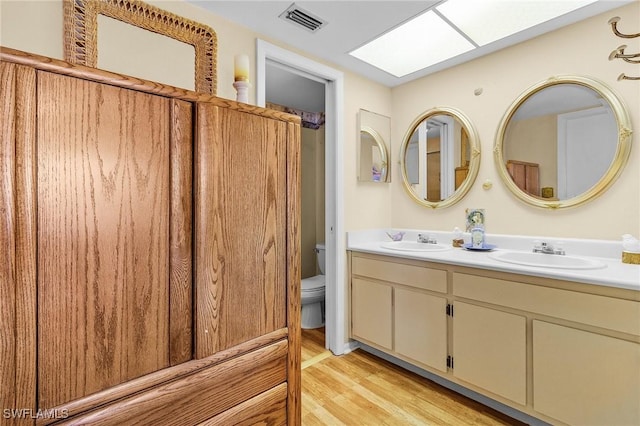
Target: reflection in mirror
column 440, row 157
column 373, row 154
column 563, row 142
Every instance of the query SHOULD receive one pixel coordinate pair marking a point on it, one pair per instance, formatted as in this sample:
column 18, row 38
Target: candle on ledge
column 241, row 68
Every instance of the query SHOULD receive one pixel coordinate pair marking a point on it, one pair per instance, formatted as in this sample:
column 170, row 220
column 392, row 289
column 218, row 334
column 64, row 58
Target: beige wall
column 582, row 49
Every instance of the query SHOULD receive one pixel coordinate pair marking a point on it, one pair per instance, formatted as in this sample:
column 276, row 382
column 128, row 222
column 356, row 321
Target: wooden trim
column 100, row 76
column 8, row 237
column 81, row 33
column 181, row 261
column 207, row 263
column 294, row 397
column 17, row 237
column 166, row 375
column 200, row 396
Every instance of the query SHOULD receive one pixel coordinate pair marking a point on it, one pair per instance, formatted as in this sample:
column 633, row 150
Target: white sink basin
column 542, row 260
column 414, row 246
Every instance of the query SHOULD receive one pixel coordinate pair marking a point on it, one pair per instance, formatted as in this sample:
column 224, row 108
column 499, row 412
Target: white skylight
column 486, row 21
column 419, row 43
column 428, row 39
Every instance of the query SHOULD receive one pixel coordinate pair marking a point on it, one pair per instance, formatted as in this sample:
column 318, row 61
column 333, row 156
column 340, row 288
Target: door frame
column 335, row 237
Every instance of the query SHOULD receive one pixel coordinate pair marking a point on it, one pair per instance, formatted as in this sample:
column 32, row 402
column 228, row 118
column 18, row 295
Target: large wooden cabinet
column 561, row 351
column 150, row 252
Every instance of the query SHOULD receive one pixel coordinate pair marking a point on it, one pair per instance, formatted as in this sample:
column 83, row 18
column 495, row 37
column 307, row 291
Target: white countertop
column 615, row 274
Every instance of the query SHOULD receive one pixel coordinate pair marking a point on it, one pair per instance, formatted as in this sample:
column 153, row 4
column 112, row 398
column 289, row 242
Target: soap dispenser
column 477, row 236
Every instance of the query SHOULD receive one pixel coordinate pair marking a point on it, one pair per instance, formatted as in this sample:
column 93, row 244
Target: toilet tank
column 320, row 252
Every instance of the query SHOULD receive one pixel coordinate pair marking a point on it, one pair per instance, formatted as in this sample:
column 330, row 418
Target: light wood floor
column 361, row 389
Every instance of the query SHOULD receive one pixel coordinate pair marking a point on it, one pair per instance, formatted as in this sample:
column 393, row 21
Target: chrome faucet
column 427, row 239
column 547, row 248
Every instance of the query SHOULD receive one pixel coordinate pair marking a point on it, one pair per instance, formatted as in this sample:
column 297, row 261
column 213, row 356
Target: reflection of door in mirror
column 439, row 157
column 440, row 141
column 465, row 157
column 433, row 167
column 582, row 157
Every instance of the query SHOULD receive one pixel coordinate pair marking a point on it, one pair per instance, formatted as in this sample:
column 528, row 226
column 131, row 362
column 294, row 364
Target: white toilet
column 312, row 298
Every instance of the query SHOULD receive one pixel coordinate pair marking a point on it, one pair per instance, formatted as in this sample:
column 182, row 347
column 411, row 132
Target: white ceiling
column 350, row 24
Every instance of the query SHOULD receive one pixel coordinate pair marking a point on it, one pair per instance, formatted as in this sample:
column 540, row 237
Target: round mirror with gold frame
column 440, row 157
column 563, row 142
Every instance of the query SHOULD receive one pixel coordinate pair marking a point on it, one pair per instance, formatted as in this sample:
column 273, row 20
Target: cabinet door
column 371, row 306
column 584, row 378
column 489, row 348
column 241, row 201
column 420, row 327
column 112, row 172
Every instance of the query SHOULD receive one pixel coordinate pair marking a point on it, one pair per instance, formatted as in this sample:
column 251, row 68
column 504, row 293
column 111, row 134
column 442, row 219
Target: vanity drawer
column 595, row 310
column 399, row 273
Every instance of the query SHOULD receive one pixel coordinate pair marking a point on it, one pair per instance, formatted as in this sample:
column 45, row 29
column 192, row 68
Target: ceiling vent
column 302, row 18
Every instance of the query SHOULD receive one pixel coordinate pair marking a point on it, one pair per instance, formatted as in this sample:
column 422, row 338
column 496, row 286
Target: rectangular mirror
column 374, row 133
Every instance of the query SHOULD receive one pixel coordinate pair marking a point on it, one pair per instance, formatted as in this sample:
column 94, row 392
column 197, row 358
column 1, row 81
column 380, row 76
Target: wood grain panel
column 7, row 236
column 294, row 398
column 241, row 209
column 26, row 246
column 209, row 260
column 268, row 408
column 181, row 287
column 103, row 231
column 17, row 239
column 171, row 374
column 199, row 397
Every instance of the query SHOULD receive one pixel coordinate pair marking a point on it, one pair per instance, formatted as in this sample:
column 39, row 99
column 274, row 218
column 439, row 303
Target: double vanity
column 547, row 331
column 553, row 337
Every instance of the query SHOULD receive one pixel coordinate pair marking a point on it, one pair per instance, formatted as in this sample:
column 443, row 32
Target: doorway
column 335, row 240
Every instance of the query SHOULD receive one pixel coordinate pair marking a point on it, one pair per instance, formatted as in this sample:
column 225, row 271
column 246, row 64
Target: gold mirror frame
column 384, row 155
column 474, row 157
column 620, row 158
column 81, row 33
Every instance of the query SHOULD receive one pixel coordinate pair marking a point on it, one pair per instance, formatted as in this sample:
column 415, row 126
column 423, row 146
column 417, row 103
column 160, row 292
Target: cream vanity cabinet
column 561, row 351
column 489, row 350
column 399, row 306
column 489, row 344
column 149, row 267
